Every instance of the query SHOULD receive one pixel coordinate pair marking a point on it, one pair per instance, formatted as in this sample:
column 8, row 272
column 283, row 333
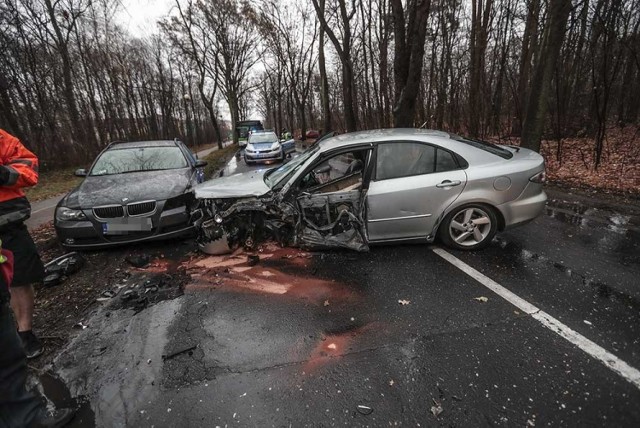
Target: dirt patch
column 60, row 308
column 618, row 172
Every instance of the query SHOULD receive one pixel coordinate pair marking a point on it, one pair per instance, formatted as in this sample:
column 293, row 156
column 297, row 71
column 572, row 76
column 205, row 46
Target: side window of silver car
column 403, row 159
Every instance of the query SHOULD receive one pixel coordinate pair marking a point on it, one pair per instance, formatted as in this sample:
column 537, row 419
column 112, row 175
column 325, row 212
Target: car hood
column 136, row 186
column 247, row 184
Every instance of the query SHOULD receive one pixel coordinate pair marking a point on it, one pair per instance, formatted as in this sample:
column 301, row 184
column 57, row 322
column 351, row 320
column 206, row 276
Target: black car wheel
column 469, row 227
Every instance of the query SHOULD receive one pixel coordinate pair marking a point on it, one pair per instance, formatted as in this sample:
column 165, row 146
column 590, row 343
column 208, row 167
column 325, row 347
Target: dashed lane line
column 614, row 363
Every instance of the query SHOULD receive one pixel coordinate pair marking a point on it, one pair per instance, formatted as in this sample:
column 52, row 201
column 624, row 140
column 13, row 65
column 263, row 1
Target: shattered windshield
column 273, row 177
column 139, row 159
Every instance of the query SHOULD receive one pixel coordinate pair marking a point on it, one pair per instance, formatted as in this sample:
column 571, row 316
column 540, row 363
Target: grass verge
column 53, row 183
column 217, row 160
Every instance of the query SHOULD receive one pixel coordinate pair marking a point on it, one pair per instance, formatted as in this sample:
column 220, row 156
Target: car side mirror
column 80, row 172
column 200, row 163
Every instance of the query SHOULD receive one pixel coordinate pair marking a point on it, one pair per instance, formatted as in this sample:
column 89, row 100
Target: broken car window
column 273, row 177
column 341, row 172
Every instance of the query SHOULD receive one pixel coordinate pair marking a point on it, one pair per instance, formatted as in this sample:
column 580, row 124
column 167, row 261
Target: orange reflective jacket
column 18, row 169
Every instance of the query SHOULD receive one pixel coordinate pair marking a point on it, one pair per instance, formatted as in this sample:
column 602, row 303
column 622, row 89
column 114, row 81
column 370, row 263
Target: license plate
column 263, row 155
column 125, row 225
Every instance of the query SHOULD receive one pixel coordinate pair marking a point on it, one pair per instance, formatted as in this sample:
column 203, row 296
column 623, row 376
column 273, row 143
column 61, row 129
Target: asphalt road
column 309, row 339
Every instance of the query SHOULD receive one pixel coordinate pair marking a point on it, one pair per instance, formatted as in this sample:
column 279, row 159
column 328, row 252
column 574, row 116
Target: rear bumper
column 529, row 205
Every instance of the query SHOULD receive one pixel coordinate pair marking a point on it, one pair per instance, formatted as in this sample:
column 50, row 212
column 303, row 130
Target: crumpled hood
column 247, row 184
column 137, row 186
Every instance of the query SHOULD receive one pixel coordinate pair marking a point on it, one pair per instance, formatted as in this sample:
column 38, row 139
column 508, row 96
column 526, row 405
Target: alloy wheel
column 470, row 226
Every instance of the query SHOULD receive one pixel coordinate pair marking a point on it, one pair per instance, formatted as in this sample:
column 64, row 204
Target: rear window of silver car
column 119, row 161
column 484, row 145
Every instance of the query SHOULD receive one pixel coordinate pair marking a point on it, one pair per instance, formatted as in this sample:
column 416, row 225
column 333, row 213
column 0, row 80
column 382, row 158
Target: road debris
column 253, row 259
column 391, row 382
column 326, row 303
column 60, row 267
column 139, row 261
column 404, row 302
column 364, row 410
column 188, row 350
column 436, row 409
column 80, row 326
column 481, row 299
column 587, row 322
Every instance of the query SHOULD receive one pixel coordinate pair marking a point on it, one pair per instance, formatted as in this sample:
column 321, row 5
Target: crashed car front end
column 257, row 214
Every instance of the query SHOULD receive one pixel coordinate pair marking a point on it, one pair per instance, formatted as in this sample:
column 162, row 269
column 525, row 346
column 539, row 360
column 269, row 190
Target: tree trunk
column 555, row 28
column 410, row 31
column 324, row 81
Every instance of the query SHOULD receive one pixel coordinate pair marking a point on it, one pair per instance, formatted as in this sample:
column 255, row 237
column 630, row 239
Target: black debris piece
column 253, row 260
column 62, row 266
column 139, row 261
column 188, row 350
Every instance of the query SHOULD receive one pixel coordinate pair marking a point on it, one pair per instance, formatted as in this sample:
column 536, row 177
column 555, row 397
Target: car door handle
column 449, row 183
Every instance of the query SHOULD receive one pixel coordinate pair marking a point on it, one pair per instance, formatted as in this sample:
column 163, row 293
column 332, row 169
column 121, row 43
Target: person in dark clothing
column 19, row 169
column 18, row 407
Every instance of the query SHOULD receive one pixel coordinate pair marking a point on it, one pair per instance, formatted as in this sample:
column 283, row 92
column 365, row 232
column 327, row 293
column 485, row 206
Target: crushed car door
column 331, row 202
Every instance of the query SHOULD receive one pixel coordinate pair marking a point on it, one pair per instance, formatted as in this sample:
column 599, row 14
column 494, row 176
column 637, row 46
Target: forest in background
column 72, row 80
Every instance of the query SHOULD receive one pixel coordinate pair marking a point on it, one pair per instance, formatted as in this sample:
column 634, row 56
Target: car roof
column 446, row 140
column 376, row 135
column 138, row 144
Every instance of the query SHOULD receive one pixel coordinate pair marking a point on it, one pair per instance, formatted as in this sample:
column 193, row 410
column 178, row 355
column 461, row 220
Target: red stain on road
column 235, row 272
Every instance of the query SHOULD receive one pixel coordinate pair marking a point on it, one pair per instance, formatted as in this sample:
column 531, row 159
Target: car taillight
column 539, row 178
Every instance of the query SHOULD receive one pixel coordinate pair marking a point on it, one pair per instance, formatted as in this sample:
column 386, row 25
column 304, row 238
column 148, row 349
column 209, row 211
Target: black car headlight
column 69, row 214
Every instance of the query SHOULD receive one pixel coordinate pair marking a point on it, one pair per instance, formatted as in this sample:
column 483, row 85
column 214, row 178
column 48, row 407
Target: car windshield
column 119, row 161
column 266, row 137
column 484, row 145
column 275, row 176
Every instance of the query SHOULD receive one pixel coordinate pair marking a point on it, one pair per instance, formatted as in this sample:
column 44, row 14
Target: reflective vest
column 18, row 169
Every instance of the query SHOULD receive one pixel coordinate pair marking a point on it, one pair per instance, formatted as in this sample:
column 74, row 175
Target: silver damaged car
column 391, row 185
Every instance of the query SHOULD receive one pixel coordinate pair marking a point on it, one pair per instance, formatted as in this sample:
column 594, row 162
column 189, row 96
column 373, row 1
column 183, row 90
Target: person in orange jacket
column 19, row 169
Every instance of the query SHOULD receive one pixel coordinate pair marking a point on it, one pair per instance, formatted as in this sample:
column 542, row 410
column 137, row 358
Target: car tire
column 469, row 227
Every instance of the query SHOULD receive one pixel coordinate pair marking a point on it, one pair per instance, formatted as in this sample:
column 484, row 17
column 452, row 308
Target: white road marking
column 631, row 374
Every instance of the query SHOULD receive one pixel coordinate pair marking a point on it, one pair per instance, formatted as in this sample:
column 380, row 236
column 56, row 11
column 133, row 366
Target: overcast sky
column 140, row 16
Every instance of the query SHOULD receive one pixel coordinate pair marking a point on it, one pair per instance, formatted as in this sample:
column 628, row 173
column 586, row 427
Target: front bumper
column 263, row 156
column 88, row 234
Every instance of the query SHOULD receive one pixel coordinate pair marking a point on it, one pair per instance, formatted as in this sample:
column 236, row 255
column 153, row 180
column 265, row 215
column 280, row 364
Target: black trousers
column 18, row 407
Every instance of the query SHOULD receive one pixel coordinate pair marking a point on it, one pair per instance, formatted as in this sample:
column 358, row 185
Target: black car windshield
column 119, row 161
column 275, row 176
column 484, row 145
column 267, row 137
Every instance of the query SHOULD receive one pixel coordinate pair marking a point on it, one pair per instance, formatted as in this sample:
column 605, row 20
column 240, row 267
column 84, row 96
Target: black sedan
column 134, row 192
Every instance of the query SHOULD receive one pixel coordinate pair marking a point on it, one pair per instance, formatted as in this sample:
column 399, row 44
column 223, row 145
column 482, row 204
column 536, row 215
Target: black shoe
column 31, row 344
column 55, row 419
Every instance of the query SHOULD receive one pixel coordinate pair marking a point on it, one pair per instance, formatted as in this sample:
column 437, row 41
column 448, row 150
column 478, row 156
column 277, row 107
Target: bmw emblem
column 125, row 199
